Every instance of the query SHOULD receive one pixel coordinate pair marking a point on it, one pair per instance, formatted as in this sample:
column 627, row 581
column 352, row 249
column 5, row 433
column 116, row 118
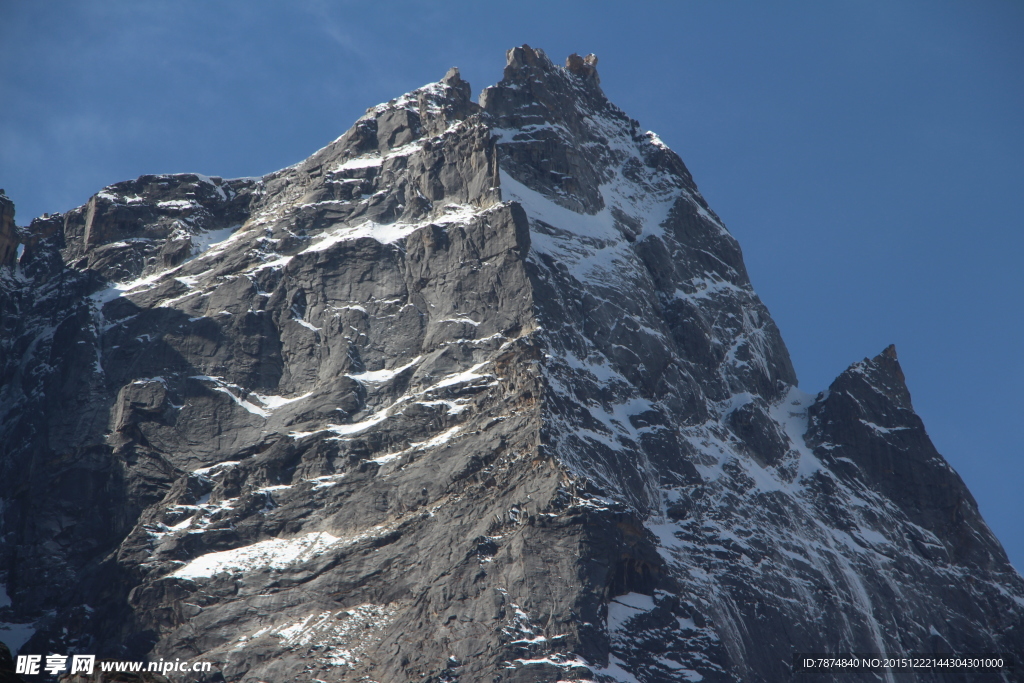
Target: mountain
column 476, row 392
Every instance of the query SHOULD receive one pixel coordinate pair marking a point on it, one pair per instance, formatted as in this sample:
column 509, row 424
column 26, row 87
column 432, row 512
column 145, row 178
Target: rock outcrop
column 475, row 392
column 8, row 232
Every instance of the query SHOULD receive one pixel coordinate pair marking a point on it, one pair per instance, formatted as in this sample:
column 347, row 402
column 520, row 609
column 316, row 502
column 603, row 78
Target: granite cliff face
column 478, row 392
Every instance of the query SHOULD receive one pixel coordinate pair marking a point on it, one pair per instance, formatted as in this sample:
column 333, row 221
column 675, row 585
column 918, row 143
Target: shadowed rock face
column 476, row 392
column 8, row 233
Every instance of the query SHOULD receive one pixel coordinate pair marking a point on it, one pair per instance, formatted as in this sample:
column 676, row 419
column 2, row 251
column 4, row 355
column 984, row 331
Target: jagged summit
column 584, row 67
column 521, row 60
column 474, row 392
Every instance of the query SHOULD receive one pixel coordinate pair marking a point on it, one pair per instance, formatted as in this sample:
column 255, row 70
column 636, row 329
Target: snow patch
column 368, row 161
column 226, row 388
column 178, row 204
column 276, row 553
column 381, row 376
column 275, row 402
column 387, row 233
column 624, row 607
column 205, row 241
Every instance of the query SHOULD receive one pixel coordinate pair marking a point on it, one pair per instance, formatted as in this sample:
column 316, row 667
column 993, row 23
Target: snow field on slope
column 274, row 553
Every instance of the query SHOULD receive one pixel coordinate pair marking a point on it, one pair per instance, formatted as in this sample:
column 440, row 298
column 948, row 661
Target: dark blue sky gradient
column 868, row 155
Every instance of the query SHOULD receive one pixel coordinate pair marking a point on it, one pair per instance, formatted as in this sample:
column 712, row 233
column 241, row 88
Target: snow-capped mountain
column 477, row 392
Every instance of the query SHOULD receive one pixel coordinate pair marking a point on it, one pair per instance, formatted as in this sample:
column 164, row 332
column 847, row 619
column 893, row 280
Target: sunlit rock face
column 478, row 392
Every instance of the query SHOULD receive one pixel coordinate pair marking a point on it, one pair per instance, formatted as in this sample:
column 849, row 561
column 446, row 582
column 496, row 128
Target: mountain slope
column 476, row 392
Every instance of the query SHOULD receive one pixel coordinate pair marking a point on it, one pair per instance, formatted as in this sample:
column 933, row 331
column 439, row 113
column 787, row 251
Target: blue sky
column 868, row 155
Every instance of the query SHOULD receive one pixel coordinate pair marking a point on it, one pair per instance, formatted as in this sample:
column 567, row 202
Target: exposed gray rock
column 476, row 392
column 8, row 232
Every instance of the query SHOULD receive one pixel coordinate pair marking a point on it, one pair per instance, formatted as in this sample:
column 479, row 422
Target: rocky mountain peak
column 474, row 392
column 520, row 59
column 865, row 425
column 584, row 67
column 881, row 375
column 525, row 63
